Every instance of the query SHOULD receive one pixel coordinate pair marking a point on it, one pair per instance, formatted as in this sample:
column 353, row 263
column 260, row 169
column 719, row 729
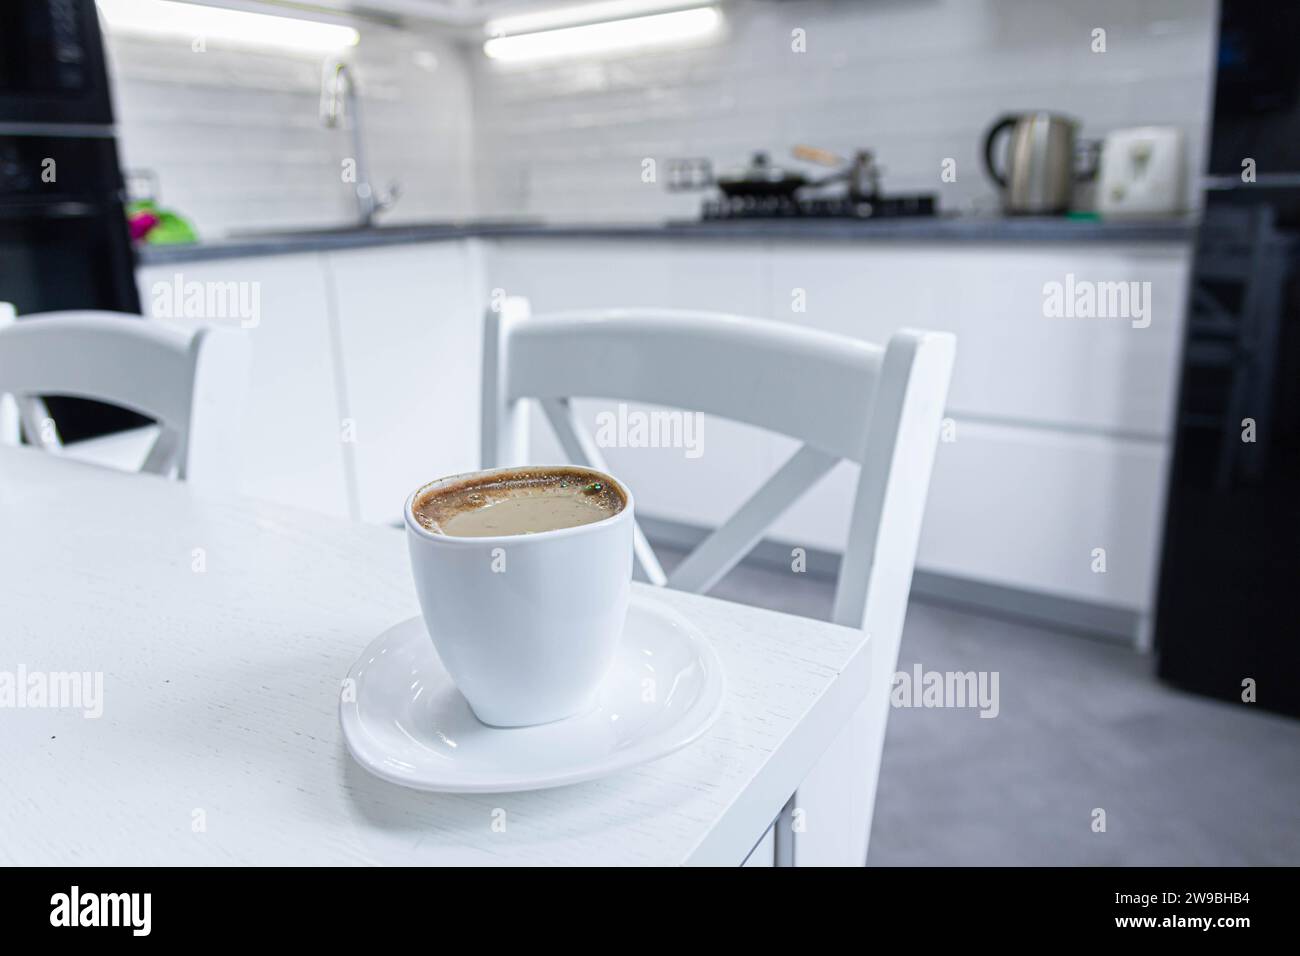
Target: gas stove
column 837, row 207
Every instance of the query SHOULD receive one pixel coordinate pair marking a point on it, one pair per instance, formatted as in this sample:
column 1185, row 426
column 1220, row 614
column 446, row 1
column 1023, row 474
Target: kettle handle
column 989, row 137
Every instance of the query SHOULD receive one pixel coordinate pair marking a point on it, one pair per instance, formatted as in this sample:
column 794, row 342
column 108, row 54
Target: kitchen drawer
column 1026, row 508
column 292, row 450
column 1022, row 508
column 1014, row 364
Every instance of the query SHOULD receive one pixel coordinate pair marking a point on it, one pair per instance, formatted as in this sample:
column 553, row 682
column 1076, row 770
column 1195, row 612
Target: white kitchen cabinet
column 367, row 372
column 559, row 275
column 1014, row 364
column 1062, row 423
column 293, row 453
column 410, row 337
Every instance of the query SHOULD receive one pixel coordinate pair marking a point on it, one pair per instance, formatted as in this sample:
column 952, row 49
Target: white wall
column 236, row 140
column 917, row 80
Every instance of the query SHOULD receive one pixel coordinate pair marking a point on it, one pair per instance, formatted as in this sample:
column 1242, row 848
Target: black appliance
column 64, row 242
column 1226, row 624
column 52, row 64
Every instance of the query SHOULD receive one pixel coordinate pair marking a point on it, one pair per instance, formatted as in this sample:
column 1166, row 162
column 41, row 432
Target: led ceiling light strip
column 572, row 16
column 662, row 29
column 164, row 18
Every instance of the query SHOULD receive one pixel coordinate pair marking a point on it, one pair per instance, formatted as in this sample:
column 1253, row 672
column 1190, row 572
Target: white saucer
column 407, row 723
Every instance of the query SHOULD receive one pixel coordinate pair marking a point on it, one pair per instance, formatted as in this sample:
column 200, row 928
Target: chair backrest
column 877, row 406
column 191, row 379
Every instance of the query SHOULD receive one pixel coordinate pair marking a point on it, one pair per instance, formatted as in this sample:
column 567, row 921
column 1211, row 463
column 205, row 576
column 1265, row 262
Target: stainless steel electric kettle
column 1038, row 176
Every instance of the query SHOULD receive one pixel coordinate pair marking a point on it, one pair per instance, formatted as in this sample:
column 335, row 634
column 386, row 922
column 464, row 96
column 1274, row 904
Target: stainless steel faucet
column 338, row 96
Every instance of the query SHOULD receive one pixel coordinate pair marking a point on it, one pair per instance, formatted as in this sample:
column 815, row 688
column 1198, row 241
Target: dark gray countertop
column 936, row 229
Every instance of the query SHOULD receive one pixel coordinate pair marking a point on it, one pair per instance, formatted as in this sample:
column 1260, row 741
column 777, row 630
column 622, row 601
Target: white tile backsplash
column 915, row 81
column 235, row 138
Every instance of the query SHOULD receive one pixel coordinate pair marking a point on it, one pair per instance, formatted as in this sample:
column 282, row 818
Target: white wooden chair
column 192, row 380
column 877, row 406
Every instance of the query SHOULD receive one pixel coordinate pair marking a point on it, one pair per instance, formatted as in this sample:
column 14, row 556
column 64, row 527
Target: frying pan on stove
column 759, row 180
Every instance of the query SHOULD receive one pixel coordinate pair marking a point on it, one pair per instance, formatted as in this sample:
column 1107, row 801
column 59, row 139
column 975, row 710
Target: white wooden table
column 223, row 627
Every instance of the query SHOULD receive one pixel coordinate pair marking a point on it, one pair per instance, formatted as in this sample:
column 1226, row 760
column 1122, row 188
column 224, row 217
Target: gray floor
column 1083, row 725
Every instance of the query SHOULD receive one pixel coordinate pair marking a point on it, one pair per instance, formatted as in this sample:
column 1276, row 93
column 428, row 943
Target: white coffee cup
column 526, row 624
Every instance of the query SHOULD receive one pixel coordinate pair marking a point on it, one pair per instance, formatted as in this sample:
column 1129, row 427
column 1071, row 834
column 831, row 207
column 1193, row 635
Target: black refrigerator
column 1227, row 622
column 64, row 242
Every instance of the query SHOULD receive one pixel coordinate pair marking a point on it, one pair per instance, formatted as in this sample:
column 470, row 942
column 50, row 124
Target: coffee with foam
column 519, row 501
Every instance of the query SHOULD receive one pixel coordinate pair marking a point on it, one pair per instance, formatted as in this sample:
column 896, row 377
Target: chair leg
column 10, row 430
column 37, row 425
